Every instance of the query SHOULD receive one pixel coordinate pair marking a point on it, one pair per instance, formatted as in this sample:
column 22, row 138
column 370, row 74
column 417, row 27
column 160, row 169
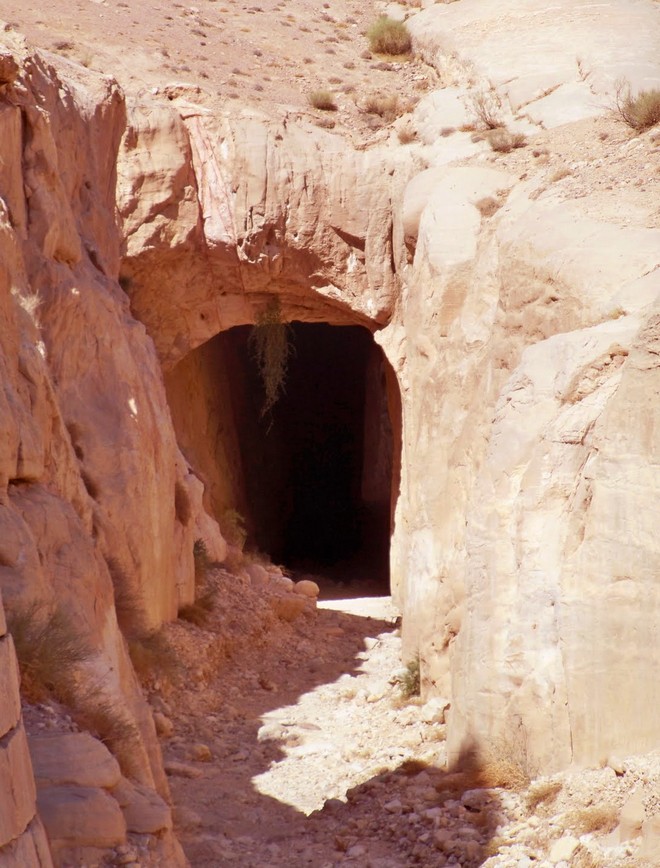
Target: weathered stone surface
column 17, row 790
column 307, row 588
column 563, row 849
column 144, row 811
column 633, row 815
column 10, row 707
column 81, row 817
column 289, row 606
column 525, row 528
column 515, row 47
column 30, row 850
column 75, row 758
column 164, row 725
column 651, row 839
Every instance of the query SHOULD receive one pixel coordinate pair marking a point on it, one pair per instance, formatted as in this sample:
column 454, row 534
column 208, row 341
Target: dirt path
column 290, row 743
column 304, row 751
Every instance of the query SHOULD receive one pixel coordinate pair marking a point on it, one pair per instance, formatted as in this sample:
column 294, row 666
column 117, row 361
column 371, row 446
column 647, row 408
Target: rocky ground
column 270, row 56
column 289, row 740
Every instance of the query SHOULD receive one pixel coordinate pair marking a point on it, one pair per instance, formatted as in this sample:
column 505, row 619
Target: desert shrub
column 639, row 112
column 487, row 108
column 199, row 612
column 487, row 206
column 153, row 656
column 544, row 792
column 502, row 141
column 323, row 100
column 385, row 107
column 387, row 36
column 560, row 174
column 202, row 562
column 49, row 648
column 406, row 135
column 232, row 526
column 508, row 764
column 411, row 681
column 102, row 718
column 271, row 347
column 601, row 818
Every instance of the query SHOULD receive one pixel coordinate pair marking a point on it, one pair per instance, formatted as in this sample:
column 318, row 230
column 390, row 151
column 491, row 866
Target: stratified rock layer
column 521, row 325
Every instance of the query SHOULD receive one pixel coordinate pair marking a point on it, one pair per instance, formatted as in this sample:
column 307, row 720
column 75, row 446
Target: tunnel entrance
column 316, row 477
column 318, row 466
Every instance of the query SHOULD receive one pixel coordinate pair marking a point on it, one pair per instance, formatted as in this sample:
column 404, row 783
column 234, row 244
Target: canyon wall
column 523, row 336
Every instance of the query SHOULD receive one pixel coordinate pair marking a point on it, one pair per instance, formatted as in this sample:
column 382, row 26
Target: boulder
column 17, row 790
column 81, row 817
column 307, row 588
column 289, row 606
column 144, row 810
column 75, row 758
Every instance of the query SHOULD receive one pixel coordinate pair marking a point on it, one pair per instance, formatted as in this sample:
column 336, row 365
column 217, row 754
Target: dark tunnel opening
column 318, row 467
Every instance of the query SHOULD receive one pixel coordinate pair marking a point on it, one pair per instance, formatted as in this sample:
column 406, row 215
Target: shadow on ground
column 415, row 814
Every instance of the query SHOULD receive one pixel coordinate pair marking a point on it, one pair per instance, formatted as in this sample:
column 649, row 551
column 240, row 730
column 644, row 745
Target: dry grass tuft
column 639, row 112
column 502, row 141
column 545, row 792
column 199, row 612
column 560, row 174
column 387, row 36
column 323, row 100
column 202, row 562
column 386, row 107
column 406, row 135
column 507, row 764
column 153, row 657
column 487, row 206
column 48, row 648
column 602, row 818
column 487, row 108
column 232, row 527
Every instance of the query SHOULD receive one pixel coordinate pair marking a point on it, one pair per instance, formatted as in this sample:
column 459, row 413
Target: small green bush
column 639, row 112
column 323, row 100
column 232, row 526
column 411, row 681
column 387, row 36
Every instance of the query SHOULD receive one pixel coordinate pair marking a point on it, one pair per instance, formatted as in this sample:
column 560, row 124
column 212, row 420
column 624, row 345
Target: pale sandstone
column 524, row 535
column 651, row 839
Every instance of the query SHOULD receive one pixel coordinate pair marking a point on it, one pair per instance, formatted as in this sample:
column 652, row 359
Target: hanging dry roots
column 270, row 343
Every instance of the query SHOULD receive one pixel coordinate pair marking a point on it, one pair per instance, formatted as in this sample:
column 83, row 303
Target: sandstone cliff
column 517, row 308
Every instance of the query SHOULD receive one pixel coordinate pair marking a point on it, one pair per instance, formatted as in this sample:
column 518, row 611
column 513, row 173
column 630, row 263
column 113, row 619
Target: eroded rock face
column 522, row 334
column 241, row 210
column 22, row 837
column 83, row 416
